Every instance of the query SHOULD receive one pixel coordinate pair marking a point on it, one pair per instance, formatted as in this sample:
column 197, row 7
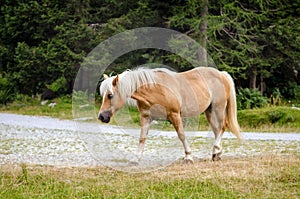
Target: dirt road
column 49, row 141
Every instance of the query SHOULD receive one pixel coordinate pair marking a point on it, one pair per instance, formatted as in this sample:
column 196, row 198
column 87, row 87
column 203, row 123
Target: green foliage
column 292, row 91
column 248, row 99
column 7, row 93
column 80, row 97
column 59, row 85
column 48, row 39
column 275, row 116
column 23, row 99
column 256, row 42
column 263, row 119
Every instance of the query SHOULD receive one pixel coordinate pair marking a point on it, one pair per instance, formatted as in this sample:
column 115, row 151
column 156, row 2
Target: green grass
column 268, row 119
column 28, row 106
column 258, row 177
column 275, row 118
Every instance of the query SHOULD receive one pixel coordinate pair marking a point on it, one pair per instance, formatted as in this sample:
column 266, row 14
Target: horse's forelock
column 106, row 85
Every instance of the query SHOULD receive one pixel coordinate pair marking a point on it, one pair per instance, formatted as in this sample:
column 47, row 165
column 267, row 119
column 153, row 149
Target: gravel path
column 50, row 141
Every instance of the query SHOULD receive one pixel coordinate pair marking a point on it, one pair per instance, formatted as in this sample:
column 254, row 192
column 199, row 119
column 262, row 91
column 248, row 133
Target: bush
column 285, row 117
column 292, row 91
column 248, row 99
column 59, row 86
column 6, row 90
column 275, row 115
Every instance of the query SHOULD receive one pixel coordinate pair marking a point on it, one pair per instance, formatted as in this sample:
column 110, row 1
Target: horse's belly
column 191, row 109
column 158, row 112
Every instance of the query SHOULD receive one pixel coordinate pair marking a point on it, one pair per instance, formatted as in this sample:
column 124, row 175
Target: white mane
column 106, row 85
column 131, row 80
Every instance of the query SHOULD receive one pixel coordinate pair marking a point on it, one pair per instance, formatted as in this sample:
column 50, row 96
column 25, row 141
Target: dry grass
column 252, row 177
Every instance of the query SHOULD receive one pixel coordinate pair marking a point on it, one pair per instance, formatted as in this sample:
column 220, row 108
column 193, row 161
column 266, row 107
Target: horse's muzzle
column 104, row 116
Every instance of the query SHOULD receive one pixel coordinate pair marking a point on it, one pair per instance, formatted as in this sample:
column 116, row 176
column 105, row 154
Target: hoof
column 188, row 160
column 216, row 157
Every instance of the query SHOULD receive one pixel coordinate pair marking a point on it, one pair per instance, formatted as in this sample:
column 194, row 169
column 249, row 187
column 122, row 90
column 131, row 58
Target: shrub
column 248, row 99
column 59, row 86
column 275, row 115
column 292, row 91
column 276, row 97
column 6, row 90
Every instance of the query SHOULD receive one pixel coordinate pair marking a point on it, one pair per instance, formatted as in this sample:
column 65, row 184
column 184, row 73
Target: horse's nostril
column 101, row 117
column 104, row 117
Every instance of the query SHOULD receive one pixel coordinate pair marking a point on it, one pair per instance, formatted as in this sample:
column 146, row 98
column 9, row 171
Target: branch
column 228, row 33
column 257, row 11
column 248, row 10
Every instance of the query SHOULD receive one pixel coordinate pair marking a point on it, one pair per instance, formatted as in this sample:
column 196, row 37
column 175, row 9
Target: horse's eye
column 110, row 96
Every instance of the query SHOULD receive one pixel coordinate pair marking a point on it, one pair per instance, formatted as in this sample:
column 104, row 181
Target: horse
column 162, row 93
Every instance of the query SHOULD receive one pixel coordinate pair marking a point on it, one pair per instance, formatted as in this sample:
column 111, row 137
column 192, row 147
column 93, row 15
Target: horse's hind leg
column 177, row 123
column 216, row 118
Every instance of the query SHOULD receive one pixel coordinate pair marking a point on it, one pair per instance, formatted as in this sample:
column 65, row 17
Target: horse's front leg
column 175, row 118
column 145, row 122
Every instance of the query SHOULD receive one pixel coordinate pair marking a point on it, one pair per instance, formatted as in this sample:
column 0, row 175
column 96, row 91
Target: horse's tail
column 231, row 109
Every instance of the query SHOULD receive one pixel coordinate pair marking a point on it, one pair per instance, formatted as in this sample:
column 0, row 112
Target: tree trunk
column 253, row 76
column 203, row 32
column 262, row 86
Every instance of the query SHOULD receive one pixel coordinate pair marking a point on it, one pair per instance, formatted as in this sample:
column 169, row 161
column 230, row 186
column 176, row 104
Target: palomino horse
column 161, row 93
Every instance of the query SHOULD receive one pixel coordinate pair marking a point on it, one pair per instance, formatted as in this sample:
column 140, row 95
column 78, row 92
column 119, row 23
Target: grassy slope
column 280, row 119
column 256, row 177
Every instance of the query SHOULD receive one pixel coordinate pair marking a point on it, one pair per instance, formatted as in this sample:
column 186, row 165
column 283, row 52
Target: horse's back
column 206, row 87
column 195, row 90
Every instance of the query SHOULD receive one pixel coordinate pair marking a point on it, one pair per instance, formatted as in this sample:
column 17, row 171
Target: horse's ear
column 105, row 76
column 115, row 81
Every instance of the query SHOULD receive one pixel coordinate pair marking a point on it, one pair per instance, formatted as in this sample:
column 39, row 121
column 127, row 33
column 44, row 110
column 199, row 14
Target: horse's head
column 111, row 98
